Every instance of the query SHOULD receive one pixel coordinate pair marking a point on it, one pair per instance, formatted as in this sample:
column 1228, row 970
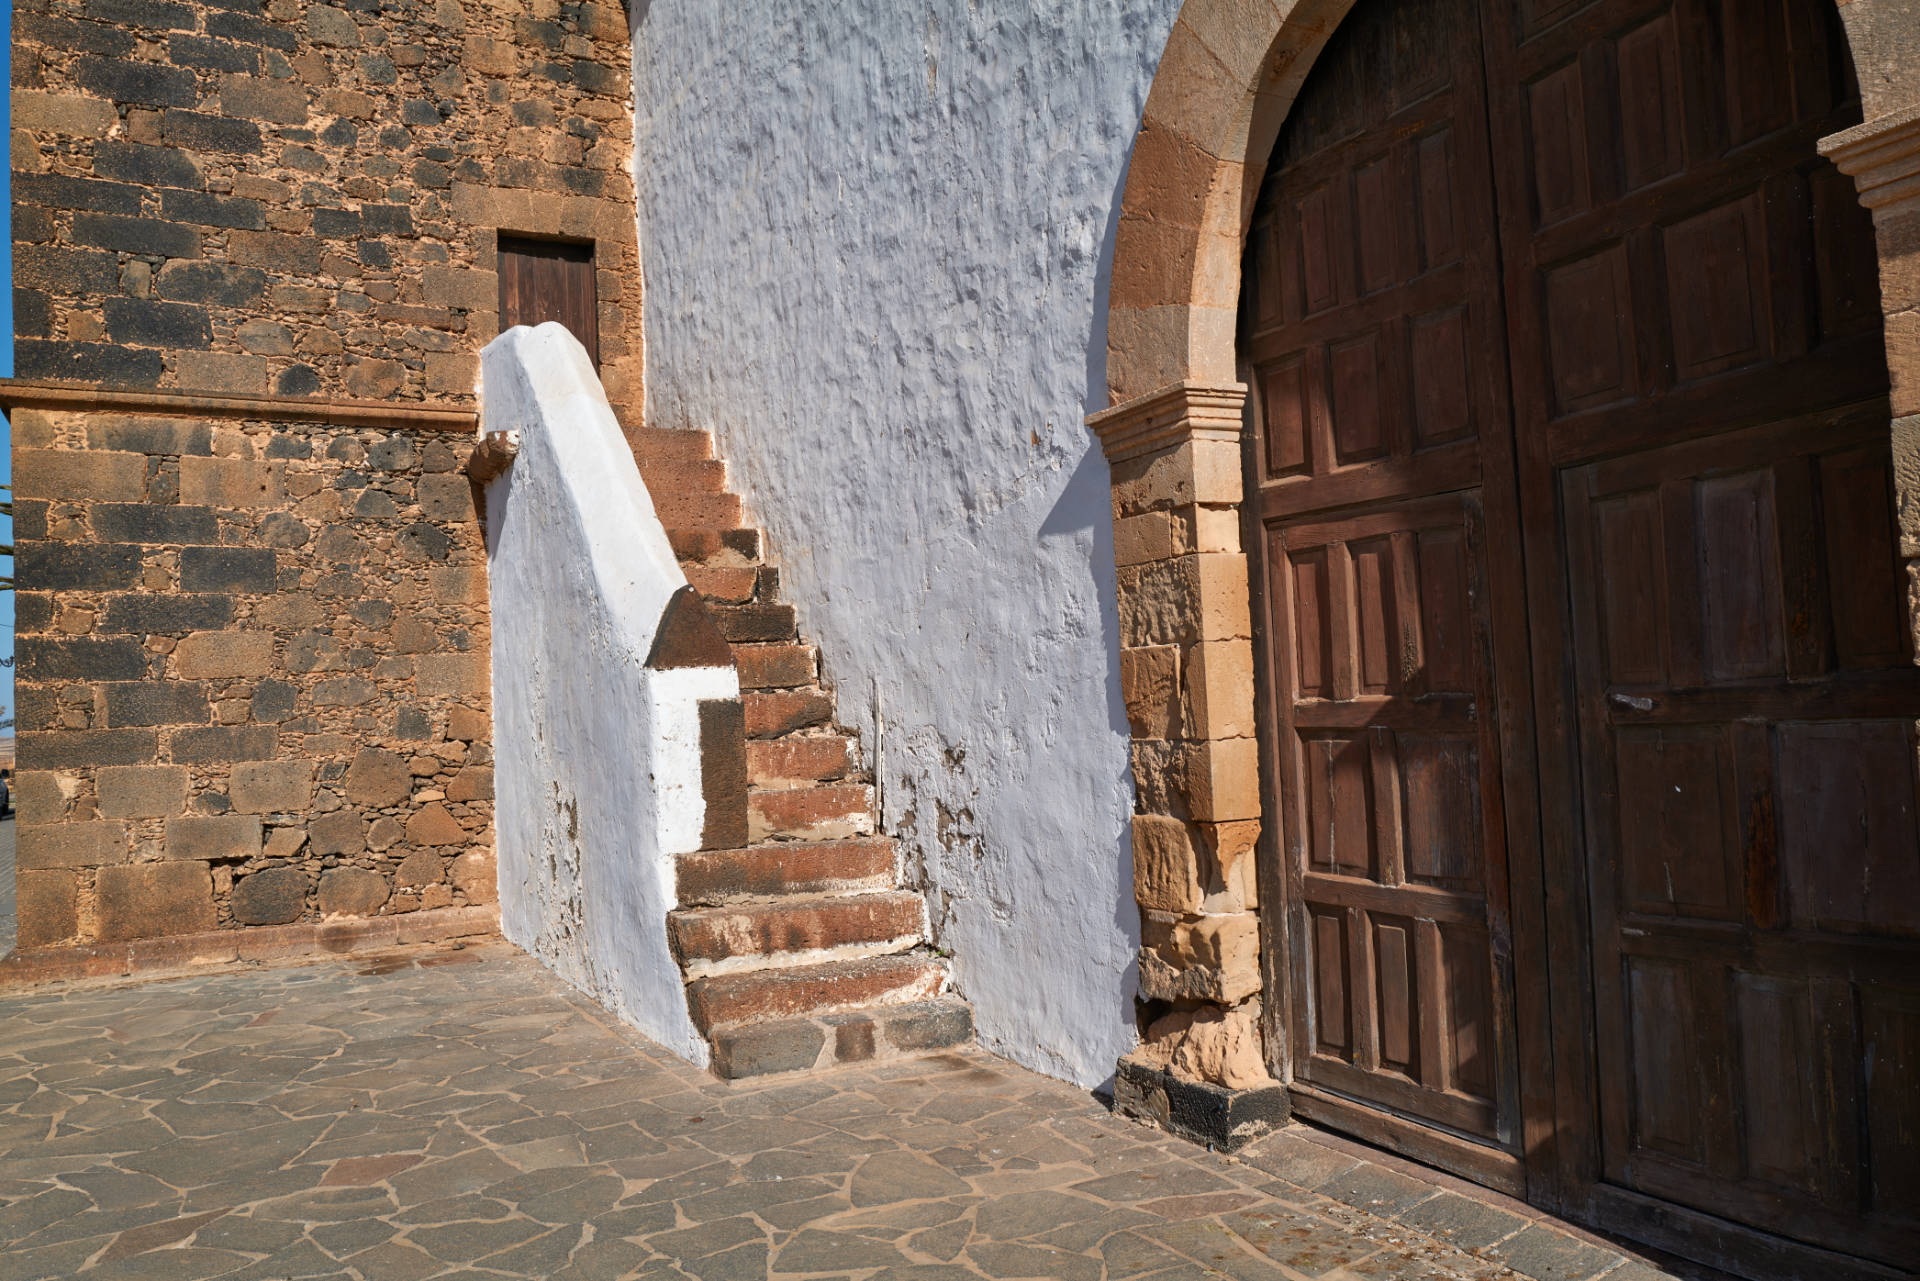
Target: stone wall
column 253, row 671
column 300, row 198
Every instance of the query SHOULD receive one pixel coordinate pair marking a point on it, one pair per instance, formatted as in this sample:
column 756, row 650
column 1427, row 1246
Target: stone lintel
column 1882, row 157
column 1170, row 417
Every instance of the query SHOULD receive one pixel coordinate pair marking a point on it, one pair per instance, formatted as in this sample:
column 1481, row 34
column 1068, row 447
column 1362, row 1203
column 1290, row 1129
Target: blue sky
column 6, row 361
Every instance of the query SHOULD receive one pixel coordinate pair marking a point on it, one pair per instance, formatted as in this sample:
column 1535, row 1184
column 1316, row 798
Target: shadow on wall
column 1087, row 503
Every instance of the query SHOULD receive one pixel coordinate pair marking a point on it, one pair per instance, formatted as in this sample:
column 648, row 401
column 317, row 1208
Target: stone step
column 669, row 476
column 829, row 812
column 857, row 1036
column 654, row 444
column 698, row 545
column 801, row 930
column 724, row 584
column 804, row 991
column 713, row 877
column 756, row 624
column 679, row 509
column 769, row 714
column 775, row 666
column 798, row 760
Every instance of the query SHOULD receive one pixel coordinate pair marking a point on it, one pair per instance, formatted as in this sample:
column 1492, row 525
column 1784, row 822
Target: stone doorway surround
column 1172, row 439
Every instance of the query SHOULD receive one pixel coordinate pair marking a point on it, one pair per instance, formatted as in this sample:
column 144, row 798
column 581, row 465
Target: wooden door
column 1387, row 541
column 1654, row 701
column 542, row 280
column 1698, row 376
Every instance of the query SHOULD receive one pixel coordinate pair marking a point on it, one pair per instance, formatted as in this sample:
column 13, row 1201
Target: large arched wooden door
column 1592, row 713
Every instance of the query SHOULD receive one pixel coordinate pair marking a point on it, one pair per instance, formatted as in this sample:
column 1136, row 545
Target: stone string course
column 274, row 196
column 253, row 676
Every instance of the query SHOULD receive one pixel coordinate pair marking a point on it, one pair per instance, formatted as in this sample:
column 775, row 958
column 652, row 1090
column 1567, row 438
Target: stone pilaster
column 1882, row 157
column 1186, row 665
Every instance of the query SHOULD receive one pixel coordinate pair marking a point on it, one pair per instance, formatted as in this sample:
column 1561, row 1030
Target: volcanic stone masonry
column 253, row 675
column 262, row 196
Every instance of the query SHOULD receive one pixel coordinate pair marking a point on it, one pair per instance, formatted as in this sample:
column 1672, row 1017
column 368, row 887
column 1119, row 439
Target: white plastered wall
column 597, row 777
column 876, row 239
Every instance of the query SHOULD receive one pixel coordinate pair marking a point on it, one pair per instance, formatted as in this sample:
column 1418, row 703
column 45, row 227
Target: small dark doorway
column 542, row 280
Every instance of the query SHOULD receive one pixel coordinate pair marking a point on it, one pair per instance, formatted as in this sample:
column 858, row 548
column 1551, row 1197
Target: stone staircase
column 800, row 949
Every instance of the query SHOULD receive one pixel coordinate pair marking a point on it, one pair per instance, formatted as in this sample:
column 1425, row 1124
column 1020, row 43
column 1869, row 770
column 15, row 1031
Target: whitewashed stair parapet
column 602, row 661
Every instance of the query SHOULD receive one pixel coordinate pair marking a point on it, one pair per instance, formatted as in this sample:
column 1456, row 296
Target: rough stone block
column 446, row 498
column 142, row 791
column 378, row 779
column 144, row 322
column 468, row 725
column 92, row 844
column 80, row 659
column 1223, row 779
column 64, row 113
column 150, row 614
column 432, row 824
column 156, row 703
column 341, row 832
column 220, row 838
column 86, row 567
column 79, row 475
column 472, row 783
column 271, row 787
column 46, row 905
column 145, row 83
column 1150, row 687
column 204, row 655
column 227, row 569
column 1225, row 611
column 221, row 743
column 152, row 900
column 86, row 748
column 221, row 372
column 475, row 875
column 1166, row 866
column 452, row 675
column 153, row 236
column 39, row 797
column 351, row 891
column 142, row 434
column 273, row 897
column 148, row 523
column 1219, row 689
column 422, row 867
column 1141, row 540
column 232, row 482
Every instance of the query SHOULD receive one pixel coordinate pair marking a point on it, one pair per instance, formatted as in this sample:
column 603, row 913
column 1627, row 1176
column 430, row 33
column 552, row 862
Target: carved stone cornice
column 389, row 414
column 1169, row 417
column 1882, row 157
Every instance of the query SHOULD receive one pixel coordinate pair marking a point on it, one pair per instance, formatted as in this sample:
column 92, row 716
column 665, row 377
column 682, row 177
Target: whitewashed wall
column 597, row 772
column 876, row 239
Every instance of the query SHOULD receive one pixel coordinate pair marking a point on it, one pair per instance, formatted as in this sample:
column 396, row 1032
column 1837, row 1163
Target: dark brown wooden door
column 1392, row 606
column 1698, row 376
column 542, row 280
column 1683, row 609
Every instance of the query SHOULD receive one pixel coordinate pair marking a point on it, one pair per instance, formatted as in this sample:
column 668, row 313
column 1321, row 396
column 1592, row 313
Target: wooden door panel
column 1654, row 394
column 1393, row 792
column 1373, row 328
column 1752, row 843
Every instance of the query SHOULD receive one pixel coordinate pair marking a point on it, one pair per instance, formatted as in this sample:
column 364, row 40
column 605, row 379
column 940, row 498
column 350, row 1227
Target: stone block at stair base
column 1223, row 1119
column 876, row 1033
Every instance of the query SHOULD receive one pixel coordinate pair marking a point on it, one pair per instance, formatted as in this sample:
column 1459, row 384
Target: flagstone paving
column 464, row 1114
